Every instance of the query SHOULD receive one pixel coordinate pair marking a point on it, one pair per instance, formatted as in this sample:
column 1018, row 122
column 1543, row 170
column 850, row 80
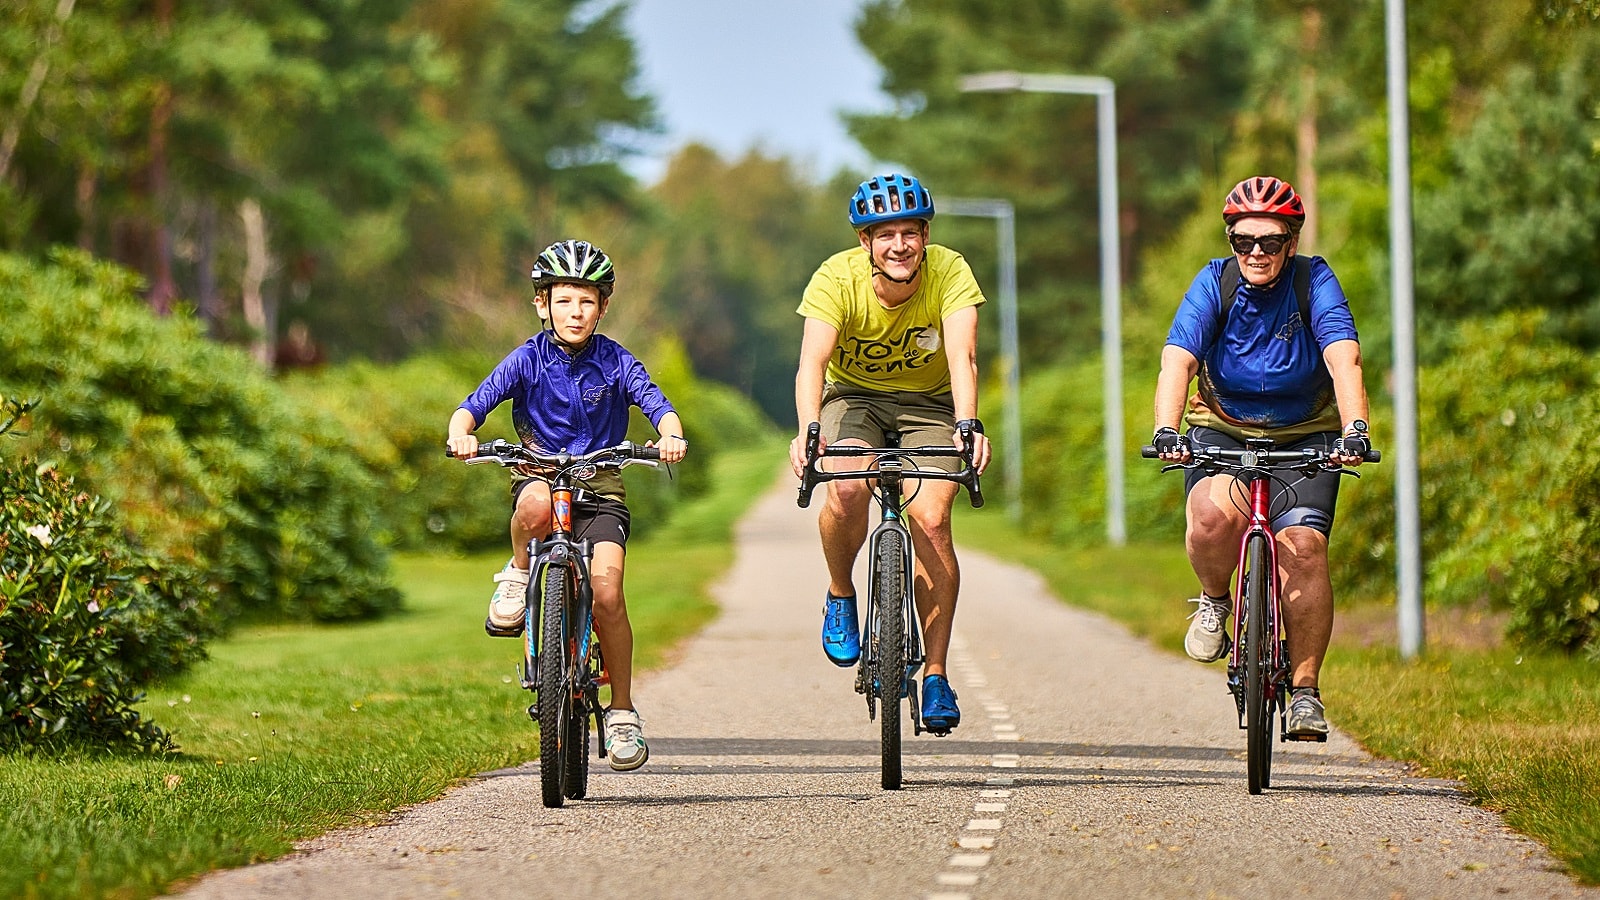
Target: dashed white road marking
column 981, row 835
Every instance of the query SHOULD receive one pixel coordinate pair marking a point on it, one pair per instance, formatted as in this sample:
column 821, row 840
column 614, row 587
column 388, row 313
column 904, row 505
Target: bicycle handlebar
column 505, row 453
column 967, row 477
column 1248, row 457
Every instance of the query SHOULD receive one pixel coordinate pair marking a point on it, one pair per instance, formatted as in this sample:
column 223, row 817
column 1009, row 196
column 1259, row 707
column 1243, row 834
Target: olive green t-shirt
column 883, row 349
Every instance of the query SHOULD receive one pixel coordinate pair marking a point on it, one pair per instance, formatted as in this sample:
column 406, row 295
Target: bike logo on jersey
column 913, row 349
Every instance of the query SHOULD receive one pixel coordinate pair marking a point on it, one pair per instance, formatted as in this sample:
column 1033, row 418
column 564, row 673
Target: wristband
column 678, row 436
column 975, row 424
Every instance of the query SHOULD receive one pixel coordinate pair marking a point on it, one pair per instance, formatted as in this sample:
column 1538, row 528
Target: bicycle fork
column 870, row 681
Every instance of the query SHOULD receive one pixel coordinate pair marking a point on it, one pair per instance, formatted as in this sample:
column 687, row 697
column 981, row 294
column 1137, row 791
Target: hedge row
column 203, row 456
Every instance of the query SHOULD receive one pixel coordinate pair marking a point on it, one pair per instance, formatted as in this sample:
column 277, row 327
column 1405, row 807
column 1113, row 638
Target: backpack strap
column 1228, row 286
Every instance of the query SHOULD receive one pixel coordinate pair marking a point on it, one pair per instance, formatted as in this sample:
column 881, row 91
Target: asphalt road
column 1088, row 765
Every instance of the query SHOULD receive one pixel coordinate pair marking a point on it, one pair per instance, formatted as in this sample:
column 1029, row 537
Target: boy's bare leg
column 611, row 621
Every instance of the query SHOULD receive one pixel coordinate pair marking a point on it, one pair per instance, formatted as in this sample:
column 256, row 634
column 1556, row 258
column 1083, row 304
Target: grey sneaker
column 1207, row 639
column 1306, row 717
column 625, row 745
column 508, row 605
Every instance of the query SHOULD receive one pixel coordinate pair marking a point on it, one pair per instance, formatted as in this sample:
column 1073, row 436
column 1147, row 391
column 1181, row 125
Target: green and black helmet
column 575, row 262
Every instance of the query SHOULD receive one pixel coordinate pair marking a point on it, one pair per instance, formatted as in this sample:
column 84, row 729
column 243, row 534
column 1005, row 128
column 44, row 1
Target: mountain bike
column 561, row 662
column 891, row 644
column 1258, row 661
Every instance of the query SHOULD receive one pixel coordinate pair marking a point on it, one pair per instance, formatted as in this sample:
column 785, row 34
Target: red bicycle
column 1258, row 663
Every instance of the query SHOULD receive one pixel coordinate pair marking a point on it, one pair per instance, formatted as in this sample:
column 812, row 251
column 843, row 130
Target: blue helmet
column 885, row 198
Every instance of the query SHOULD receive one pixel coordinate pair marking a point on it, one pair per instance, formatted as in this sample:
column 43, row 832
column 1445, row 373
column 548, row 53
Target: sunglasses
column 1271, row 244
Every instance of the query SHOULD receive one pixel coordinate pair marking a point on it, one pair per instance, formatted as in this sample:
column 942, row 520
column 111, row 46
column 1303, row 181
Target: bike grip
column 647, row 453
column 806, row 487
column 975, row 494
column 1372, row 456
column 1148, row 451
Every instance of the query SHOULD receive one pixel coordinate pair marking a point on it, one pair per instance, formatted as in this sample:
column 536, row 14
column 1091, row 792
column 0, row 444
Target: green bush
column 205, row 458
column 1489, row 462
column 84, row 619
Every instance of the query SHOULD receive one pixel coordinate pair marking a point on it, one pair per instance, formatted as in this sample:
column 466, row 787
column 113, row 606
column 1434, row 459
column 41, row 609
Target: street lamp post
column 1006, row 241
column 1408, row 518
column 1104, row 92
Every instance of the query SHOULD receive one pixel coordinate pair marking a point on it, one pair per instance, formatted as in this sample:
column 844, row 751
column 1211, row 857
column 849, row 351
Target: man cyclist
column 1275, row 364
column 890, row 346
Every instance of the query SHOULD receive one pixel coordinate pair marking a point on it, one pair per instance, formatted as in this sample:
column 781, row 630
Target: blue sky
column 734, row 74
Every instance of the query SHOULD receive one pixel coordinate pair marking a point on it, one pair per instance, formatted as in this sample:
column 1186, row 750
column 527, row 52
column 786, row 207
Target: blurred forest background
column 251, row 256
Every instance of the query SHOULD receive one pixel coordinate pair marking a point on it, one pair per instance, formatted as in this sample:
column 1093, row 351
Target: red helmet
column 1263, row 195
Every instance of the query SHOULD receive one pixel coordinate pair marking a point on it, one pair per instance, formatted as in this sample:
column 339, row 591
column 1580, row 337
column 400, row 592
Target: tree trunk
column 30, row 88
column 257, row 262
column 209, row 302
column 85, row 208
column 163, row 290
column 1305, row 145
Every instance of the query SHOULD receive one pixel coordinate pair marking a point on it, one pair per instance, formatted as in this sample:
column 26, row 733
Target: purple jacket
column 569, row 403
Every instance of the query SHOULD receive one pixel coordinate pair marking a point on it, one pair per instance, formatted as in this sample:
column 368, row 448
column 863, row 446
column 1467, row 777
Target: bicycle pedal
column 494, row 630
column 1310, row 738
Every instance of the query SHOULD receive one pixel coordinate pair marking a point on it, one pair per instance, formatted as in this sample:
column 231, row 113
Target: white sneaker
column 625, row 745
column 1207, row 639
column 507, row 608
column 1306, row 717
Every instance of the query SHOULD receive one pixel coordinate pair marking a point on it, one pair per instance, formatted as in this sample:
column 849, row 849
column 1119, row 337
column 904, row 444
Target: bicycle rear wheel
column 555, row 689
column 1258, row 663
column 889, row 587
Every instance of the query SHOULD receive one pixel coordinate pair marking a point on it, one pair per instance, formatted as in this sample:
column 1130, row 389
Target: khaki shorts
column 921, row 420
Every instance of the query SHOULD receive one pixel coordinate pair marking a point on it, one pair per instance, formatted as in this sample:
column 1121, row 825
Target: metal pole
column 1110, row 260
column 1111, row 316
column 1408, row 541
column 1010, row 361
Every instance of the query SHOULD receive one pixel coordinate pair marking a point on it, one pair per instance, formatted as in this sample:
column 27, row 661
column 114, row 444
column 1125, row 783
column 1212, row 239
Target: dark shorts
column 921, row 420
column 595, row 518
column 1299, row 499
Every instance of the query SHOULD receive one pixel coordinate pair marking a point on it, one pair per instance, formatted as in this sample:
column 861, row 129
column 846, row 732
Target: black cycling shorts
column 595, row 518
column 1296, row 500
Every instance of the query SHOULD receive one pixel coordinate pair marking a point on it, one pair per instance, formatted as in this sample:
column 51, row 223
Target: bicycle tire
column 576, row 750
column 1258, row 664
column 555, row 692
column 889, row 586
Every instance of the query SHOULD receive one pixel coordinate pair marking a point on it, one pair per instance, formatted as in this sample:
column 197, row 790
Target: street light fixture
column 1104, row 91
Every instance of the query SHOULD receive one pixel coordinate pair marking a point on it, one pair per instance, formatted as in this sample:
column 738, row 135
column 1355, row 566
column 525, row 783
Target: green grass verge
column 289, row 731
column 1521, row 731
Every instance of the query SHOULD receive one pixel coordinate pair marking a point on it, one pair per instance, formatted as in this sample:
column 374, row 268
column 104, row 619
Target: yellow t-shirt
column 883, row 349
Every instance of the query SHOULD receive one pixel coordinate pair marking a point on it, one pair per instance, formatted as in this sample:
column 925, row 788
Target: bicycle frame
column 1258, row 483
column 560, row 550
column 891, row 521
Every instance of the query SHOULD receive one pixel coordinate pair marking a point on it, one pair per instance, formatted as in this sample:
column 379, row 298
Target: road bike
column 891, row 643
column 1258, row 660
column 561, row 664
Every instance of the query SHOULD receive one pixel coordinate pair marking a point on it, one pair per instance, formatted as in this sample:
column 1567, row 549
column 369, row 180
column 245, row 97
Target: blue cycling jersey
column 1263, row 368
column 572, row 403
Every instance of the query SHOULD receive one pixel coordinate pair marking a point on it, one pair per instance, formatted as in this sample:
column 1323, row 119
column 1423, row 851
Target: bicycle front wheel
column 889, row 587
column 555, row 688
column 1259, row 638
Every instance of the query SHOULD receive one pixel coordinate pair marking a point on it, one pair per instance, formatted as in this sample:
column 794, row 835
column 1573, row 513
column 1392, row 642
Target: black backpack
column 1228, row 283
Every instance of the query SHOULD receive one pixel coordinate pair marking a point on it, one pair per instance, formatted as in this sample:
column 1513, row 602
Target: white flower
column 41, row 533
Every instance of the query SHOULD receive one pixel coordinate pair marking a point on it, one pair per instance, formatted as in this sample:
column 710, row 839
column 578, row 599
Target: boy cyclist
column 570, row 391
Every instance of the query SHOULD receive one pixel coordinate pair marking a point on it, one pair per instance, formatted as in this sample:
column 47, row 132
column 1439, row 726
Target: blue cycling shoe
column 841, row 635
column 940, row 715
